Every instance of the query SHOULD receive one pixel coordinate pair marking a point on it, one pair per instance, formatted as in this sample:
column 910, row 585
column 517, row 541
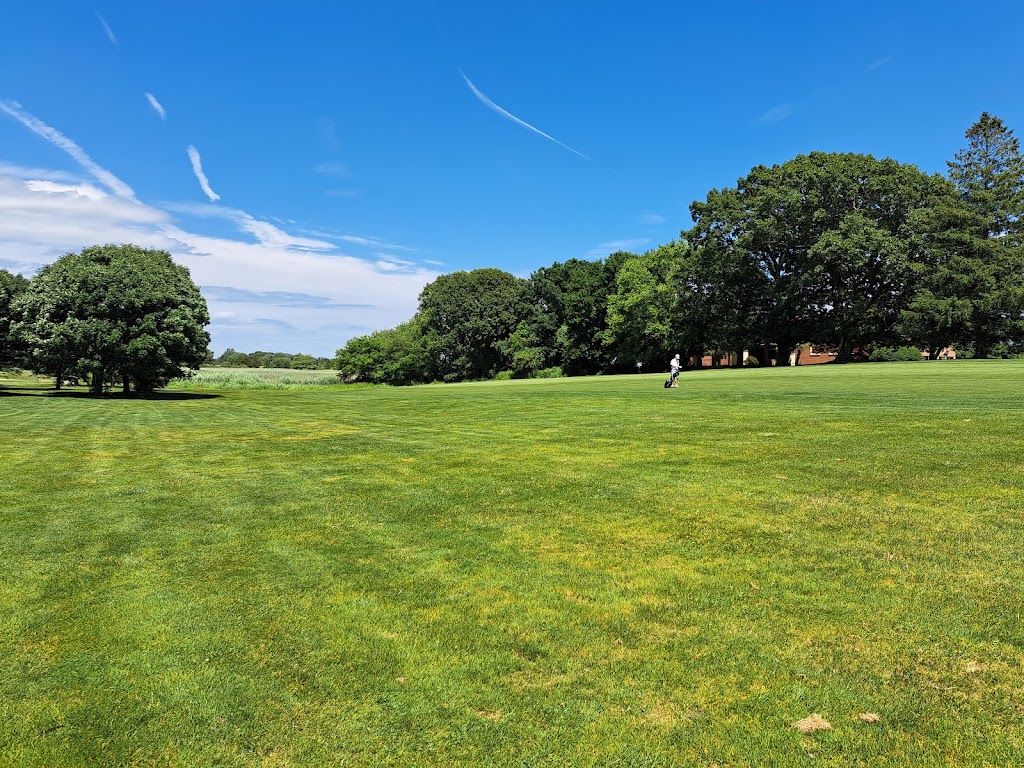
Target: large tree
column 11, row 348
column 467, row 315
column 642, row 310
column 568, row 304
column 811, row 239
column 117, row 313
column 989, row 175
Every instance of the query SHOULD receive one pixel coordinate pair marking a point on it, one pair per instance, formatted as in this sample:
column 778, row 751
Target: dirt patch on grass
column 811, row 723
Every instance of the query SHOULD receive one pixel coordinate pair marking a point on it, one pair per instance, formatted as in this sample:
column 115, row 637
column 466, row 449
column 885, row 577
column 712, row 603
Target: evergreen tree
column 989, row 177
column 989, row 174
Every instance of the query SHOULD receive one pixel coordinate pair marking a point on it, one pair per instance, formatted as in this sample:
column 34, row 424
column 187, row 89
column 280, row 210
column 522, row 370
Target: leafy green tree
column 118, row 313
column 864, row 269
column 12, row 352
column 467, row 315
column 522, row 348
column 718, row 293
column 800, row 234
column 641, row 324
column 304, row 362
column 397, row 356
column 569, row 305
column 230, row 358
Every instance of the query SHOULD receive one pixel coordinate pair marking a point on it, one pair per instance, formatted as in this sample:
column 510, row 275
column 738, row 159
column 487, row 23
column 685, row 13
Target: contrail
column 157, row 106
column 513, row 118
column 107, row 29
column 197, row 169
column 58, row 139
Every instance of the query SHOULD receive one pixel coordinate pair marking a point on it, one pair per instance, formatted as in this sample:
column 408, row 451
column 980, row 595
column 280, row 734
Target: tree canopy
column 117, row 314
column 12, row 350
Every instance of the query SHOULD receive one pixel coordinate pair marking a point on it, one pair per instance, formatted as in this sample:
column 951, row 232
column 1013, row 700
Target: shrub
column 548, row 373
column 751, row 362
column 895, row 355
column 503, row 375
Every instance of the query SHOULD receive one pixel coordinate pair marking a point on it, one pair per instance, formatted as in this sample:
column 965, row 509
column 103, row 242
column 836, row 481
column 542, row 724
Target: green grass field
column 563, row 572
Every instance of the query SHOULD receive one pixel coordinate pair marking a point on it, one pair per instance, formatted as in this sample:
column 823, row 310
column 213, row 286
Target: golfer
column 674, row 365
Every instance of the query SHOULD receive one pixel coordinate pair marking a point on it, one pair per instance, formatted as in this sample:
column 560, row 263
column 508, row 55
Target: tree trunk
column 845, row 350
column 782, row 354
column 125, row 384
column 96, row 384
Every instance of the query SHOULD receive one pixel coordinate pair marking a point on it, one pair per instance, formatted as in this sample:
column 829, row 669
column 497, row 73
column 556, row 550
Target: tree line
column 230, row 358
column 836, row 249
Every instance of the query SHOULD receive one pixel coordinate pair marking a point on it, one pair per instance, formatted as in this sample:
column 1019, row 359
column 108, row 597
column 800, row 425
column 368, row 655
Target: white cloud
column 41, row 220
column 652, row 218
column 156, row 105
column 58, row 139
column 880, row 62
column 197, row 169
column 83, row 190
column 46, row 213
column 107, row 29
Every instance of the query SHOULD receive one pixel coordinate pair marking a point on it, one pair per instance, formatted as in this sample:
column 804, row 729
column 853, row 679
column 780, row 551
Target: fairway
column 560, row 572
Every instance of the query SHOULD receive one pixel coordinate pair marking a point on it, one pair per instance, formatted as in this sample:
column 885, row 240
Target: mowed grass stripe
column 551, row 572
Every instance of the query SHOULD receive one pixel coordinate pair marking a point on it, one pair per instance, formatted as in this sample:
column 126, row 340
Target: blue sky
column 315, row 164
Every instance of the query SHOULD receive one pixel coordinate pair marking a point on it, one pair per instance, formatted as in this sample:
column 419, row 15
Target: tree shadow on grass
column 17, row 391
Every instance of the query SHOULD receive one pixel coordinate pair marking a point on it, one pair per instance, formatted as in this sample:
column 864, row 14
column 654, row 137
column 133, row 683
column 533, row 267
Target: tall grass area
column 256, row 378
column 557, row 572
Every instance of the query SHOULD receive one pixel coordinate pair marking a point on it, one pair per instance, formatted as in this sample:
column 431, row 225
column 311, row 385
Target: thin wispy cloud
column 229, row 295
column 328, row 135
column 107, row 29
column 61, row 141
column 157, row 106
column 487, row 102
column 605, row 249
column 776, row 114
column 880, row 63
column 197, row 169
column 265, row 232
column 652, row 218
column 333, row 168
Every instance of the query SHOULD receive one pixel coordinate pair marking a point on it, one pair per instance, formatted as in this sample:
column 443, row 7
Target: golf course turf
column 557, row 572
